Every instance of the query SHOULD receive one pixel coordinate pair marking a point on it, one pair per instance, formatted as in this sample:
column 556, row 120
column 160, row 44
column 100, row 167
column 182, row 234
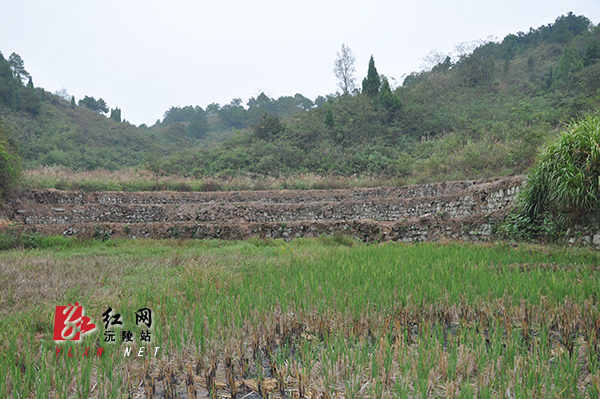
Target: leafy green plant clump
column 10, row 163
column 565, row 182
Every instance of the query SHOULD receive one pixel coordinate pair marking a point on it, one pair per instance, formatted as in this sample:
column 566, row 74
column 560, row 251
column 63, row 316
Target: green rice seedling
column 401, row 391
column 594, row 388
column 344, row 318
column 64, row 378
column 423, row 386
column 43, row 383
column 28, row 372
column 353, row 383
column 84, row 383
column 387, row 365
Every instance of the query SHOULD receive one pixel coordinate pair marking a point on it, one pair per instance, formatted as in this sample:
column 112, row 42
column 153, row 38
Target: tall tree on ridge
column 8, row 91
column 344, row 69
column 115, row 114
column 371, row 83
column 18, row 67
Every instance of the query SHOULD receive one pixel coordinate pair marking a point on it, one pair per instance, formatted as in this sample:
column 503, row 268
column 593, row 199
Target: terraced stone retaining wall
column 457, row 210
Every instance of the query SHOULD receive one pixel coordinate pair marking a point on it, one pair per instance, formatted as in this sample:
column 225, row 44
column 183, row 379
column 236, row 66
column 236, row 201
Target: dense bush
column 10, row 163
column 566, row 179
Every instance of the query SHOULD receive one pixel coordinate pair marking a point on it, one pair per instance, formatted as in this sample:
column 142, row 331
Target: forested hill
column 51, row 129
column 477, row 114
column 470, row 114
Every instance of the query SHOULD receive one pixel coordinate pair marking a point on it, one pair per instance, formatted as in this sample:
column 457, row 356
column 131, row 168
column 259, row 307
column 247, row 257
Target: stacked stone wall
column 456, row 210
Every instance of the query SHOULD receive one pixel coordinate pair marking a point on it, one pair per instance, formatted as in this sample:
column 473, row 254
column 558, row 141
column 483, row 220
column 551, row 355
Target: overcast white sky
column 145, row 56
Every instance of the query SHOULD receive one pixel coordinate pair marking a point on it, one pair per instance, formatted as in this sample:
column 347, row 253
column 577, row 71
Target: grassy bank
column 61, row 178
column 312, row 318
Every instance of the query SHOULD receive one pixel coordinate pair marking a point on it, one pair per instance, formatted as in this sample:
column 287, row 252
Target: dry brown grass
column 141, row 180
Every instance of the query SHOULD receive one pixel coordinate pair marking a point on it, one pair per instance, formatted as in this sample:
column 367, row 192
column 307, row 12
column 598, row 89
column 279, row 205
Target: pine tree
column 8, row 85
column 93, row 104
column 371, row 83
column 18, row 67
column 115, row 114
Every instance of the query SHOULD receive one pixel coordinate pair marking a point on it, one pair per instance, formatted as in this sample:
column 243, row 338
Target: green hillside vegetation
column 471, row 114
column 198, row 128
column 10, row 163
column 484, row 114
column 76, row 137
column 50, row 129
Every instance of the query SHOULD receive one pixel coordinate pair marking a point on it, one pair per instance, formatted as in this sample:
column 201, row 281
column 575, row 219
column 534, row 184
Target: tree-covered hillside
column 470, row 114
column 76, row 137
column 51, row 129
column 475, row 114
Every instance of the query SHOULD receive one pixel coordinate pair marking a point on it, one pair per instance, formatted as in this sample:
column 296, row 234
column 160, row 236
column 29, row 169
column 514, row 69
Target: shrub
column 566, row 178
column 520, row 227
column 27, row 240
column 10, row 163
column 10, row 168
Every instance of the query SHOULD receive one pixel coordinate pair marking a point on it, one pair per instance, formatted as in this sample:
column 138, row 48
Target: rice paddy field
column 311, row 318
